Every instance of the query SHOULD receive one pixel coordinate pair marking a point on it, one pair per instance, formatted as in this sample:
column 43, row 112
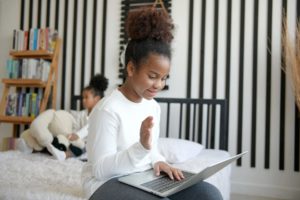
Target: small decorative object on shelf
column 31, row 76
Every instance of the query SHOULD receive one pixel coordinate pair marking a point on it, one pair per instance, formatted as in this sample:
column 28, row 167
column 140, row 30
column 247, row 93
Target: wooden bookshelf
column 16, row 119
column 32, row 54
column 25, row 82
column 48, row 86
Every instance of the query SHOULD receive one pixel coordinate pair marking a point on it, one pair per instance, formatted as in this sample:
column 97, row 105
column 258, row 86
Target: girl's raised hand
column 145, row 132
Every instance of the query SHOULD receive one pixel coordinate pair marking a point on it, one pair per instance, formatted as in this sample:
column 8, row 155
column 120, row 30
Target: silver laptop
column 163, row 186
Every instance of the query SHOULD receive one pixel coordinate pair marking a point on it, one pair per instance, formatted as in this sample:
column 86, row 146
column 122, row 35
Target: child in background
column 68, row 138
column 90, row 97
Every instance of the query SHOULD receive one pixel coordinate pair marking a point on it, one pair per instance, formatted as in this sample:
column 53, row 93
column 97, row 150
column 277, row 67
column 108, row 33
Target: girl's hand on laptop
column 171, row 171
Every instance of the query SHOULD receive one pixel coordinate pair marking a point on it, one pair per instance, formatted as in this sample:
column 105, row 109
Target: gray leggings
column 114, row 190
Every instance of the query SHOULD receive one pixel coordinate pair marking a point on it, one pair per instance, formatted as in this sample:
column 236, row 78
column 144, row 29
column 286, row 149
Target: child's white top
column 113, row 145
column 80, row 127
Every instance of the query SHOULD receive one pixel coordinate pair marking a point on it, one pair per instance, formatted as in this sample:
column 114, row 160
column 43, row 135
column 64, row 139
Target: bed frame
column 200, row 120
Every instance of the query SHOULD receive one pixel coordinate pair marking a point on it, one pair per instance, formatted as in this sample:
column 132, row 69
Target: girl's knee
column 202, row 190
column 208, row 191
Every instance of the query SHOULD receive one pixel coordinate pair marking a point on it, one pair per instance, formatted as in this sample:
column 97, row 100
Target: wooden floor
column 246, row 197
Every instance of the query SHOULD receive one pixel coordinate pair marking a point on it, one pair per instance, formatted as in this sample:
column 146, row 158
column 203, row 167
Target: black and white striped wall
column 234, row 51
column 222, row 49
column 239, row 51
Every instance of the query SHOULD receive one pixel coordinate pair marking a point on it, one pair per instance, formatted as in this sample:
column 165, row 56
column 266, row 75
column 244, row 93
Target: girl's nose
column 159, row 84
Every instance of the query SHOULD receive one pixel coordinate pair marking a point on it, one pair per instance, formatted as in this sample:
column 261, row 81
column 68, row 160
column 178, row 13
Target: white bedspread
column 38, row 176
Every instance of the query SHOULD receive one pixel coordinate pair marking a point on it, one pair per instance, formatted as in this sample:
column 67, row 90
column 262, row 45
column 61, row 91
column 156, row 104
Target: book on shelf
column 13, row 68
column 52, row 36
column 33, row 104
column 39, row 99
column 42, row 39
column 24, row 111
column 21, row 40
column 26, row 38
column 9, row 69
column 34, row 39
column 19, row 103
column 11, row 105
column 27, row 105
column 14, row 45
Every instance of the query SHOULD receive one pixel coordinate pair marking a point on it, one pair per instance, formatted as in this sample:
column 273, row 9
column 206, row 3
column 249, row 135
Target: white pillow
column 178, row 150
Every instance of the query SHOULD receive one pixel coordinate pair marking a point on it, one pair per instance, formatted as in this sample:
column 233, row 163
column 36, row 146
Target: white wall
column 259, row 181
column 8, row 21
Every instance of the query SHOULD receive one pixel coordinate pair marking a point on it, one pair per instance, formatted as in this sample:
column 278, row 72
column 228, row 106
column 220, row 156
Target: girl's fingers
column 157, row 170
column 178, row 174
column 170, row 173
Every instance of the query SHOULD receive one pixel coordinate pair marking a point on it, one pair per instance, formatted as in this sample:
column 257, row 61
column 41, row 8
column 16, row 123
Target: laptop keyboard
column 165, row 183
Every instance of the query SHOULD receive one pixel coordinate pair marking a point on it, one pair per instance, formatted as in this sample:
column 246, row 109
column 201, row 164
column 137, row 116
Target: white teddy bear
column 53, row 127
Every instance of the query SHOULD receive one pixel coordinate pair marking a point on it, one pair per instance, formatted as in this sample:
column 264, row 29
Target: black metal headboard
column 76, row 102
column 200, row 120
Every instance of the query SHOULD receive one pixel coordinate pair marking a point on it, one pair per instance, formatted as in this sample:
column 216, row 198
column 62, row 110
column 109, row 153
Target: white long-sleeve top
column 80, row 127
column 113, row 145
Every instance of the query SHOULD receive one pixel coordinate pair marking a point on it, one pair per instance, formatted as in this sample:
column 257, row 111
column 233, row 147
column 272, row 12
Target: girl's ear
column 97, row 98
column 130, row 68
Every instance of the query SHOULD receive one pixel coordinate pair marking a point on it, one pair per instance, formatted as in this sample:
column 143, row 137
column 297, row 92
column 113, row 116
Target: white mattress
column 39, row 176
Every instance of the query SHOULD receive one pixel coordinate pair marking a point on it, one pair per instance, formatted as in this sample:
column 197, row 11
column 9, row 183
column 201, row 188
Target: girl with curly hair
column 124, row 126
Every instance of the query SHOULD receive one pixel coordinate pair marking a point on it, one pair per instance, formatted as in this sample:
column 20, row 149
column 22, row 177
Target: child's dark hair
column 149, row 31
column 98, row 84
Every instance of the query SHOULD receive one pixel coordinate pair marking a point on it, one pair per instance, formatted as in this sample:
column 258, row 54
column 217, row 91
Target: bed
column 39, row 176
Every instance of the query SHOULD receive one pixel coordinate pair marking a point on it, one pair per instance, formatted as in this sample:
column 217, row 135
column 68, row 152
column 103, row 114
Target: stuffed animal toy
column 62, row 143
column 53, row 127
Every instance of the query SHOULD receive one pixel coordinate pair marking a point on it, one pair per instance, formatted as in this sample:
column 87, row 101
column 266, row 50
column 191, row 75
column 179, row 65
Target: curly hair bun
column 99, row 82
column 149, row 23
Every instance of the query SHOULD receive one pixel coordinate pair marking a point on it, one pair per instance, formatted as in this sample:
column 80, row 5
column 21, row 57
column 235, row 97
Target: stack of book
column 25, row 104
column 28, row 69
column 34, row 39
